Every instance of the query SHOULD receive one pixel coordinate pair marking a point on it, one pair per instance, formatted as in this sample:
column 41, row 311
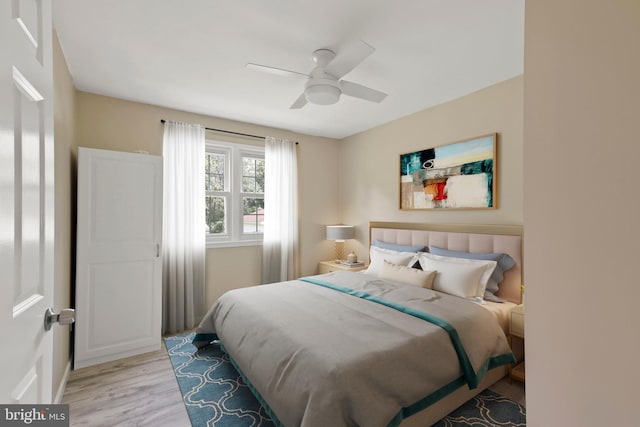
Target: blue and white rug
column 488, row 409
column 216, row 396
column 213, row 392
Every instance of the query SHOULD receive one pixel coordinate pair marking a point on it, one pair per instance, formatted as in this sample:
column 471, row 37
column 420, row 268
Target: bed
column 369, row 349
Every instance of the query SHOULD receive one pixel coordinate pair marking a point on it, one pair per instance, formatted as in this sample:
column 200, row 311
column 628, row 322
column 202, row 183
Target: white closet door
column 119, row 263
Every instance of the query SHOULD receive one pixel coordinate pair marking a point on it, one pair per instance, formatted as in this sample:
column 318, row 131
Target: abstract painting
column 453, row 176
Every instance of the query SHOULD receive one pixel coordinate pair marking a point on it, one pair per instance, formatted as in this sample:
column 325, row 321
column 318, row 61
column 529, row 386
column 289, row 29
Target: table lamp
column 340, row 233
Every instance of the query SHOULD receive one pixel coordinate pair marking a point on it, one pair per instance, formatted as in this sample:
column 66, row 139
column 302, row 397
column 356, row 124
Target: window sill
column 233, row 244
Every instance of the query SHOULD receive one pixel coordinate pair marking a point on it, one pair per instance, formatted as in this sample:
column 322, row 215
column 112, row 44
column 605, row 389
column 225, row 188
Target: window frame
column 234, row 196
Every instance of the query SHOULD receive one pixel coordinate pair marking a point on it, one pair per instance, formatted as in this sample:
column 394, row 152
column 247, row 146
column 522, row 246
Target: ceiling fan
column 323, row 86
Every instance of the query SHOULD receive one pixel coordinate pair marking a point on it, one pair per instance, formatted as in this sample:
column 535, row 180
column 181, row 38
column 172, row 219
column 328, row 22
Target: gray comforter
column 348, row 349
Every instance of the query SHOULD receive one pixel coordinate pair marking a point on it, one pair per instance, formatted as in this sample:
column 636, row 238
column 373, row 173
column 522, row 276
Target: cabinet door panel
column 119, row 271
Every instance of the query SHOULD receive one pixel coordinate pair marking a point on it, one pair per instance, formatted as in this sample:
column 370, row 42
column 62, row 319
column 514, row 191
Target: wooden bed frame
column 461, row 237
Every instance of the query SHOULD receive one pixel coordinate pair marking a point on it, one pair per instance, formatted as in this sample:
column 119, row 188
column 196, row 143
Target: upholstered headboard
column 461, row 237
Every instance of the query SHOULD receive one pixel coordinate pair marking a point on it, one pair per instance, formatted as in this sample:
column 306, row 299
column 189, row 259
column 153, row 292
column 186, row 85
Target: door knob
column 65, row 317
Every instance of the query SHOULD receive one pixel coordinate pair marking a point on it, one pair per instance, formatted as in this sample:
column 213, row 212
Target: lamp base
column 339, row 250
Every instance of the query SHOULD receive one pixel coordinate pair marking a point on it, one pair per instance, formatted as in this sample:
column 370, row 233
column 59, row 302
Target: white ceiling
column 191, row 55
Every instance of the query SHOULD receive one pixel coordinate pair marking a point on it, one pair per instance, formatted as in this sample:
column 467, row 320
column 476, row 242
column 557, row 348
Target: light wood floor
column 137, row 391
column 142, row 391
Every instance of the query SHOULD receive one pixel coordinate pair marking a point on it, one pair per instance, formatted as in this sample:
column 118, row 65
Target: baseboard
column 63, row 384
column 79, row 363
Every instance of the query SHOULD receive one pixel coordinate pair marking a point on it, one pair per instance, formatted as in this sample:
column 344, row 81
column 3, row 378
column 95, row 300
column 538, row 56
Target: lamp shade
column 340, row 232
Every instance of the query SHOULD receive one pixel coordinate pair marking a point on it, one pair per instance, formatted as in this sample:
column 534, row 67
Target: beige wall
column 369, row 161
column 242, row 264
column 65, row 159
column 582, row 238
column 116, row 124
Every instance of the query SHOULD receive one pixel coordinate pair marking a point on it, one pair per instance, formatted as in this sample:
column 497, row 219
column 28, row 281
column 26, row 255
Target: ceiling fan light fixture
column 322, row 94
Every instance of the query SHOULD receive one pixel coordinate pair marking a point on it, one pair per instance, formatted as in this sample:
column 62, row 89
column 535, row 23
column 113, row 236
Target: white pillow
column 466, row 278
column 377, row 257
column 408, row 275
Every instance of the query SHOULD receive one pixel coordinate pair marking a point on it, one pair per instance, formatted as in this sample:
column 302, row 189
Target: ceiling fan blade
column 358, row 91
column 299, row 103
column 348, row 58
column 277, row 71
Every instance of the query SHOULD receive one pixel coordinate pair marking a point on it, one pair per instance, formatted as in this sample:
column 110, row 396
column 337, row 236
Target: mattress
column 501, row 312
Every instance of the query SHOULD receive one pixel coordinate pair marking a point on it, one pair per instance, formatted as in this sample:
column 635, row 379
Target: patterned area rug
column 216, row 396
column 488, row 409
column 212, row 390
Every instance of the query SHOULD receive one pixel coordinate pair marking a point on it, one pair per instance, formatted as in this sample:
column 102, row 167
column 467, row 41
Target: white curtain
column 183, row 226
column 280, row 246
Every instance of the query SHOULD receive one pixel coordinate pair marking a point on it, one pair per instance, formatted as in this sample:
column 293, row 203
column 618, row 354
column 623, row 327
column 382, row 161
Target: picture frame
column 459, row 175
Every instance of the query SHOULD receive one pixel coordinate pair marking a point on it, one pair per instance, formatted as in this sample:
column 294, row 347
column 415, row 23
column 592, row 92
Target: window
column 253, row 194
column 234, row 199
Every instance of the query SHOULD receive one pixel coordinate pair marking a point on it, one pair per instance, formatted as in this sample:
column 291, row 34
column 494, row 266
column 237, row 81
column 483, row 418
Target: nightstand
column 516, row 329
column 329, row 266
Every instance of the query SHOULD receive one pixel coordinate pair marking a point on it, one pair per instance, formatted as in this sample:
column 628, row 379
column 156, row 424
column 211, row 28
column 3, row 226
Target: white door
column 119, row 264
column 26, row 200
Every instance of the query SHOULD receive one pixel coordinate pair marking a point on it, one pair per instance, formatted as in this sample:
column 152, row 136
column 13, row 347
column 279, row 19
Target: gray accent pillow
column 505, row 262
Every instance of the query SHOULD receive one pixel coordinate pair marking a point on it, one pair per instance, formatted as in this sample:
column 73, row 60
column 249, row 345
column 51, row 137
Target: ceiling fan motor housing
column 322, row 57
column 322, row 88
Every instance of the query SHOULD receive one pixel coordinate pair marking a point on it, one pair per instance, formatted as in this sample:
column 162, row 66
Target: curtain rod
column 227, row 131
column 231, row 132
